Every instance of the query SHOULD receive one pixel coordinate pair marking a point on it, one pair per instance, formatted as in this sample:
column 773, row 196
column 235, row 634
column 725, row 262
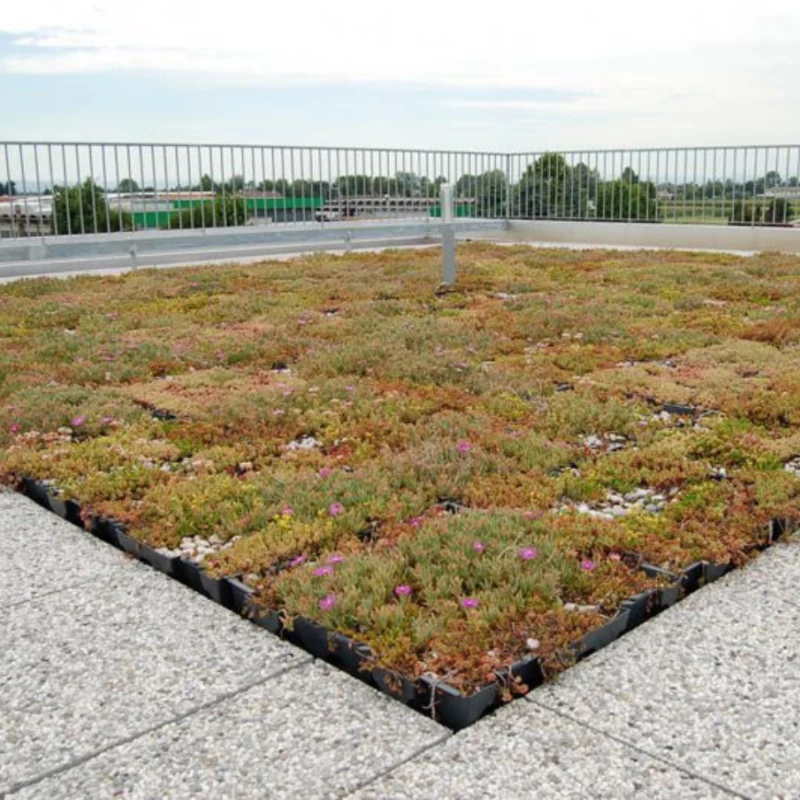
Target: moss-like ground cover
column 327, row 408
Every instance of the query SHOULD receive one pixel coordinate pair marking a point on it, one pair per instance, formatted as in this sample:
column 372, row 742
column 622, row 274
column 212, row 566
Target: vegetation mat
column 456, row 478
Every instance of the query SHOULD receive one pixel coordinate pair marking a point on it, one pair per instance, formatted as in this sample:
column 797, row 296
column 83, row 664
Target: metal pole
column 448, row 234
column 507, row 206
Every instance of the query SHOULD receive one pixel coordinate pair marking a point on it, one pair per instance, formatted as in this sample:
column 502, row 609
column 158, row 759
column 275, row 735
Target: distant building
column 368, row 207
column 784, row 192
column 25, row 215
column 32, row 215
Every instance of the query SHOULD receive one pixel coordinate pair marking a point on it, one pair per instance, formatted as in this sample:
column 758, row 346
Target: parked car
column 327, row 216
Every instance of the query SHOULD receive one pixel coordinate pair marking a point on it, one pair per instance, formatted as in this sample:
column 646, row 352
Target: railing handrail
column 234, row 145
column 417, row 150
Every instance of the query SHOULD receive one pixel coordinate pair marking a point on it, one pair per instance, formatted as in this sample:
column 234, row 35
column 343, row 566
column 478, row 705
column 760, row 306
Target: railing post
column 507, row 207
column 448, row 234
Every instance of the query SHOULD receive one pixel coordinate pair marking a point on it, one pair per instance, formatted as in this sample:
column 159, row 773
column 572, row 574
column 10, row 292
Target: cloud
column 692, row 70
column 600, row 45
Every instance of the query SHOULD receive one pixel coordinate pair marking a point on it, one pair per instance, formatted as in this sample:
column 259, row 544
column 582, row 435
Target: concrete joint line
column 16, row 787
column 384, row 772
column 43, row 595
column 632, row 746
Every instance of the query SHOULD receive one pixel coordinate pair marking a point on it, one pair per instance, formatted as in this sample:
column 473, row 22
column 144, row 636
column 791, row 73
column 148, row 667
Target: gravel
column 196, row 548
column 616, row 506
column 305, row 443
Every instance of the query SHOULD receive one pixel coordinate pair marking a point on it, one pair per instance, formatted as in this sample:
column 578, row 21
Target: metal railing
column 84, row 188
column 757, row 185
column 78, row 188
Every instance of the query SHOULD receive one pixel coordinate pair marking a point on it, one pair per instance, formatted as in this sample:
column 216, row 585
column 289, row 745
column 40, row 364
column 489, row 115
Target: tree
column 547, row 189
column 408, row 184
column 772, row 179
column 465, row 185
column 629, row 176
column 586, row 178
column 8, row 188
column 235, row 184
column 321, row 189
column 490, row 193
column 127, row 186
column 83, row 208
column 206, row 184
column 353, row 186
column 620, row 200
column 713, row 189
column 433, row 188
column 753, row 188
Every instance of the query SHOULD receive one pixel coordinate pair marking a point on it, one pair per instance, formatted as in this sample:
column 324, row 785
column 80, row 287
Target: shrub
column 83, row 208
column 222, row 212
column 776, row 211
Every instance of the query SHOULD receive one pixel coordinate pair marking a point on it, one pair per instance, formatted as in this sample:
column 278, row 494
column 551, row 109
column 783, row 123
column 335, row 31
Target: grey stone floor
column 117, row 682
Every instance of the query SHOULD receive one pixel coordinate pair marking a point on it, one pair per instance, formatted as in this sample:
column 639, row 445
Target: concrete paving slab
column 40, row 553
column 527, row 751
column 711, row 685
column 96, row 664
column 311, row 732
column 774, row 574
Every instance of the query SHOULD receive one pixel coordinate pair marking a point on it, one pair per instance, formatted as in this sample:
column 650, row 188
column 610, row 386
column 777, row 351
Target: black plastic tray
column 426, row 694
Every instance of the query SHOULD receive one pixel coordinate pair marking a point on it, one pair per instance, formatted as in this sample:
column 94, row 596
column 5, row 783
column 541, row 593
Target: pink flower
column 614, row 556
column 325, row 472
column 403, row 590
column 470, row 602
column 335, row 558
column 320, row 572
column 478, row 547
column 415, row 522
column 287, row 511
column 296, row 562
column 76, row 422
column 464, row 447
column 334, row 509
column 106, row 420
column 327, row 602
column 277, row 412
column 532, row 514
column 350, row 388
column 528, row 553
column 588, row 564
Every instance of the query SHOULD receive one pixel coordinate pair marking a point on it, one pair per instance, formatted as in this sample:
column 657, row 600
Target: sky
column 501, row 76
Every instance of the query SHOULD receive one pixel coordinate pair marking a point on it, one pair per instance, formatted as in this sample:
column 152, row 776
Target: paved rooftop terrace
column 116, row 681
